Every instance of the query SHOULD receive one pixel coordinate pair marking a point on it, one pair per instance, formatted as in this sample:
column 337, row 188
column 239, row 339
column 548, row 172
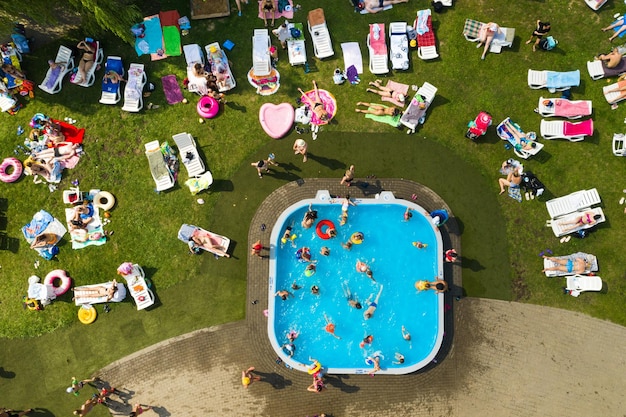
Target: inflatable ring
column 315, row 369
column 61, row 275
column 87, row 315
column 104, row 200
column 10, row 163
column 38, row 121
column 324, row 234
column 354, row 238
column 309, row 272
column 207, row 107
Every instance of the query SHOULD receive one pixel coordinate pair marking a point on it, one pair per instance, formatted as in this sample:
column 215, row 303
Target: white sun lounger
column 553, row 80
column 598, row 70
column 6, row 99
column 133, row 92
column 563, row 129
column 112, row 92
column 90, row 76
column 220, row 67
column 138, row 288
column 578, row 284
column 398, row 46
column 186, row 232
column 296, row 48
column 159, row 170
column 619, row 144
column 189, row 154
column 560, row 225
column 595, row 4
column 427, row 41
column 80, row 293
column 503, row 132
column 561, row 107
column 193, row 54
column 593, row 261
column 377, row 49
column 53, row 82
column 612, row 94
column 413, row 116
column 261, row 60
column 577, row 201
column 322, row 45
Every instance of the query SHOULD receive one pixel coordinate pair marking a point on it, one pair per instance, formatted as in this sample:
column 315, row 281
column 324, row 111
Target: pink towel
column 277, row 15
column 379, row 46
column 581, row 128
column 566, row 108
column 400, row 88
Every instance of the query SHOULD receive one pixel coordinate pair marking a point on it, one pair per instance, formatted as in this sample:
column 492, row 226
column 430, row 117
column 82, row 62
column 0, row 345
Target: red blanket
column 71, row 132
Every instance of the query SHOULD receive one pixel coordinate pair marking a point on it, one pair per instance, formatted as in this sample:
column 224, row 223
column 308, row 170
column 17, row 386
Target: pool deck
column 499, row 357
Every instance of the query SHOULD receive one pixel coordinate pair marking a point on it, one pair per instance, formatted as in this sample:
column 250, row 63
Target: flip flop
column 621, row 200
column 527, row 196
column 567, row 239
column 563, row 239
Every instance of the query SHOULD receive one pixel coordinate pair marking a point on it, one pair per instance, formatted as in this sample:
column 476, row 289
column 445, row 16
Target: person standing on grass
column 540, row 31
column 78, row 385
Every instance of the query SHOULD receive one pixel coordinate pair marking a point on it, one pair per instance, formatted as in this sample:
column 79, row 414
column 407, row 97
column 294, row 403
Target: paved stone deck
column 498, row 358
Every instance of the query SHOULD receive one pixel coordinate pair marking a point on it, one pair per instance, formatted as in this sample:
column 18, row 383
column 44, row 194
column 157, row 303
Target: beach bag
column 437, row 6
column 21, row 43
column 548, row 43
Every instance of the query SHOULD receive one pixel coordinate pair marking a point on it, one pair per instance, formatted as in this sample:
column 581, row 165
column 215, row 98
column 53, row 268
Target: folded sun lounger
column 560, row 107
column 426, row 40
column 553, row 80
column 89, row 294
column 597, row 69
column 189, row 154
column 112, row 91
column 133, row 92
column 563, row 129
column 398, row 46
column 322, row 45
column 415, row 113
column 187, row 231
column 593, row 264
column 581, row 283
column 377, row 46
column 64, row 63
column 220, row 67
column 161, row 174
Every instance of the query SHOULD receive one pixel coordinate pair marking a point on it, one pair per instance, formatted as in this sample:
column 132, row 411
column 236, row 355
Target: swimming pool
column 396, row 265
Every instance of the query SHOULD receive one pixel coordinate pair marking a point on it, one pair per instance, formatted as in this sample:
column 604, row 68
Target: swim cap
column 69, row 390
column 245, row 381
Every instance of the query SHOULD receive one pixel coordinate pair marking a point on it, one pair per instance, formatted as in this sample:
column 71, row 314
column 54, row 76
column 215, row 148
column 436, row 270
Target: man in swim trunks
column 375, row 6
column 247, row 377
column 576, row 266
column 372, row 305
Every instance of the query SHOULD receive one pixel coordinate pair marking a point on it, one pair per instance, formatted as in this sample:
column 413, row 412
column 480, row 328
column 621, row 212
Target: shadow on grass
column 6, row 374
column 329, row 163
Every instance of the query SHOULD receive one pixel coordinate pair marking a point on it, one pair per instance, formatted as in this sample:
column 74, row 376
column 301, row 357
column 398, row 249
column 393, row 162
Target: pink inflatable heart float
column 276, row 120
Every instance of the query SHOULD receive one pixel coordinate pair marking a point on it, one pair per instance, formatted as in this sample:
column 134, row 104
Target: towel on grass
column 153, row 37
column 515, row 193
column 563, row 79
column 94, row 234
column 352, row 56
column 398, row 87
column 616, row 28
column 390, row 120
column 286, row 12
column 171, row 38
column 172, row 91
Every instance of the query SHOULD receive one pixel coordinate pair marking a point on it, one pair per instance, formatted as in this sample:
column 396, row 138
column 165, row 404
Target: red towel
column 379, row 46
column 428, row 38
column 581, row 128
column 169, row 18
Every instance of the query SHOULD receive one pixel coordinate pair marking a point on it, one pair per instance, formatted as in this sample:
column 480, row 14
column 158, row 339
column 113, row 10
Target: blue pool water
column 396, row 265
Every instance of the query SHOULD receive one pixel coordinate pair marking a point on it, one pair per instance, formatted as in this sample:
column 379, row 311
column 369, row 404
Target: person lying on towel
column 375, row 6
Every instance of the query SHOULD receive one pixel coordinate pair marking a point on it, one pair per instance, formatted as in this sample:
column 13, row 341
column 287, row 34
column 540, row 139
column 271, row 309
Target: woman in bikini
column 86, row 61
column 587, row 218
column 577, row 266
column 378, row 109
column 384, row 91
column 317, row 106
column 487, row 32
column 267, row 6
column 203, row 239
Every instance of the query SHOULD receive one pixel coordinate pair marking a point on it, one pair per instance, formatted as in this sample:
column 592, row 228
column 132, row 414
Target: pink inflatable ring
column 61, row 275
column 208, row 107
column 6, row 165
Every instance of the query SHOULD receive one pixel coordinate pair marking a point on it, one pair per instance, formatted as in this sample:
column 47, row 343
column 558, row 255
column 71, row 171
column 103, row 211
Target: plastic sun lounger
column 161, row 174
column 580, row 283
column 471, row 32
column 613, row 97
column 398, row 46
column 352, row 56
column 7, row 102
column 296, row 49
column 133, row 92
column 553, row 80
column 504, row 134
column 560, row 228
column 595, row 4
column 138, row 288
column 53, row 82
column 80, row 299
column 193, row 54
column 186, row 232
column 220, row 67
column 189, row 154
column 576, row 201
column 593, row 261
column 112, row 92
column 562, row 129
column 619, row 144
column 598, row 70
column 426, row 42
column 261, row 60
column 560, row 107
column 414, row 116
column 377, row 49
column 90, row 76
column 322, row 45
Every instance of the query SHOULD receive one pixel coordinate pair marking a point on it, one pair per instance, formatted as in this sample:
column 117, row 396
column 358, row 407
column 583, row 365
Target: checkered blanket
column 471, row 29
column 428, row 38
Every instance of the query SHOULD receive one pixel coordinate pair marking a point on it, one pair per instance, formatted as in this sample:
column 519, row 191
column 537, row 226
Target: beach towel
column 575, row 129
column 563, row 79
column 616, row 28
column 352, row 75
column 390, row 120
column 281, row 9
column 377, row 39
column 400, row 88
column 515, row 193
column 171, row 39
column 152, row 40
column 72, row 133
column 37, row 225
column 427, row 38
column 566, row 108
column 94, row 234
column 172, row 91
column 169, row 18
column 422, row 21
column 352, row 56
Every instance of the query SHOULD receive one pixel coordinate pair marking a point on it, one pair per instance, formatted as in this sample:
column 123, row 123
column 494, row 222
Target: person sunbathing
column 621, row 23
column 13, row 72
column 50, row 171
column 97, row 291
column 205, row 240
column 375, row 6
column 61, row 152
column 610, row 60
column 384, row 91
column 577, row 265
column 621, row 87
column 83, row 215
column 521, row 139
column 267, row 6
column 44, row 240
column 317, row 105
column 378, row 109
column 513, row 179
column 487, row 32
column 86, row 61
column 587, row 218
column 113, row 77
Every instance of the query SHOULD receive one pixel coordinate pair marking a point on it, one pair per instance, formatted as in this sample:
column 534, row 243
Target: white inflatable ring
column 104, row 200
column 60, row 274
column 17, row 169
column 207, row 107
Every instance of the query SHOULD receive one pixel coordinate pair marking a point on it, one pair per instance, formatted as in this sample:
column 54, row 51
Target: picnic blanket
column 284, row 8
column 563, row 79
column 152, row 41
column 400, row 88
column 43, row 222
column 352, row 56
column 390, row 120
column 172, row 91
column 94, row 234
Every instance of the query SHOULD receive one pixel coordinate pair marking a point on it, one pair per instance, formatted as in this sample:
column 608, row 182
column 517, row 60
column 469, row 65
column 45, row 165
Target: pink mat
column 277, row 14
column 566, row 108
column 330, row 105
column 399, row 87
column 378, row 46
column 581, row 128
column 172, row 91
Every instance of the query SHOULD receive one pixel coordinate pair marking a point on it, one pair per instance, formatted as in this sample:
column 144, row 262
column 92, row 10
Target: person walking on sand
column 139, row 409
column 248, row 377
column 348, row 177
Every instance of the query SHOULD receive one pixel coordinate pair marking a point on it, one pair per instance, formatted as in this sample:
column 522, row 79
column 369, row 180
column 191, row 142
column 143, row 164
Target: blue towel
column 153, row 37
column 37, row 225
column 515, row 193
column 616, row 28
column 563, row 79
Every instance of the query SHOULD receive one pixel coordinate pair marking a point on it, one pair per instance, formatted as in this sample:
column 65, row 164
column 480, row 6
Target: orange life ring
column 324, row 234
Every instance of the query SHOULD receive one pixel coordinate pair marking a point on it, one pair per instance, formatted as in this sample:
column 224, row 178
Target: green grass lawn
column 501, row 238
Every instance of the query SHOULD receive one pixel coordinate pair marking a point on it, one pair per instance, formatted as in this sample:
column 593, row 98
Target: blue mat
column 153, row 37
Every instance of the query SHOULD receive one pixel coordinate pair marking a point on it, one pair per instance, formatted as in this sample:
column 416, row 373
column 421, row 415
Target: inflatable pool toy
column 356, row 238
column 65, row 281
column 104, row 200
column 309, row 272
column 87, row 314
column 370, row 359
column 315, row 368
column 422, row 285
column 207, row 107
column 16, row 172
column 302, row 251
column 443, row 217
column 329, row 226
column 276, row 120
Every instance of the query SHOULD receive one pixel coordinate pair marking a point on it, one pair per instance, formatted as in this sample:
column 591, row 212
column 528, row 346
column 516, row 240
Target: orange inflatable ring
column 65, row 281
column 324, row 223
column 87, row 315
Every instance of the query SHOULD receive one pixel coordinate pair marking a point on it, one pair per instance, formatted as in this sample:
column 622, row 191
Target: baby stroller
column 478, row 126
column 531, row 183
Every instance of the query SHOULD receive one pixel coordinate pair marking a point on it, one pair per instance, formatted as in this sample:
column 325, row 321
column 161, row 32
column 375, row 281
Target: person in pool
column 353, row 301
column 330, row 327
column 363, row 268
column 309, row 217
column 372, row 305
column 283, row 294
column 405, row 334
